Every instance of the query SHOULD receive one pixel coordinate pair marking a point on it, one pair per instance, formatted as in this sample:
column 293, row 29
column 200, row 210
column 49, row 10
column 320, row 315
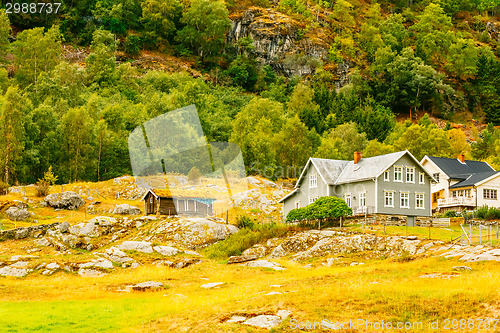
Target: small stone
column 283, row 314
column 274, row 293
column 264, row 321
column 166, row 250
column 240, row 259
column 212, row 285
column 90, row 272
column 52, row 266
column 412, row 237
column 144, row 247
column 149, row 285
column 265, row 264
column 462, row 268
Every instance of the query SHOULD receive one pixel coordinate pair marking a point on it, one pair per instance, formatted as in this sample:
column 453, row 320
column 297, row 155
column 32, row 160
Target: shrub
column 245, row 238
column 450, row 213
column 493, row 214
column 3, row 188
column 244, row 221
column 322, row 209
column 481, row 212
column 42, row 188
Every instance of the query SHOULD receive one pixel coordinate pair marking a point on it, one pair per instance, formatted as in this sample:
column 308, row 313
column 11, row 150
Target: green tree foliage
column 302, row 103
column 206, row 23
column 341, row 142
column 5, row 30
column 375, row 120
column 294, row 143
column 15, row 106
column 35, row 52
column 160, row 20
column 322, row 209
column 433, row 32
column 100, row 64
column 255, row 129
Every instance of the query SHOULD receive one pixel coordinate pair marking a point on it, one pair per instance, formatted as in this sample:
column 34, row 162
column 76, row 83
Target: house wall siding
column 493, row 184
column 399, row 187
column 305, row 192
column 354, row 189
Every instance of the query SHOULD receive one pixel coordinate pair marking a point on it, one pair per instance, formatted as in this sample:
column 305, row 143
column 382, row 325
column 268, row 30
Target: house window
column 405, row 199
column 410, row 175
column 348, row 199
column 388, row 198
column 313, row 181
column 421, row 178
column 436, row 176
column 312, row 199
column 419, row 201
column 362, row 199
column 386, row 175
column 489, row 194
column 297, row 204
column 398, row 174
column 467, row 193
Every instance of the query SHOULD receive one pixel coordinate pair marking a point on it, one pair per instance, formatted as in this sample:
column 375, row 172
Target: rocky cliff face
column 280, row 41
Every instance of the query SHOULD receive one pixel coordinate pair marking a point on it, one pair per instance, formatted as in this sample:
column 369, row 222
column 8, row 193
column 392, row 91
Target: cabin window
column 388, row 198
column 151, row 199
column 410, row 175
column 419, row 201
column 405, row 199
column 362, row 199
column 386, row 176
column 313, row 181
column 398, row 174
column 421, row 178
column 489, row 194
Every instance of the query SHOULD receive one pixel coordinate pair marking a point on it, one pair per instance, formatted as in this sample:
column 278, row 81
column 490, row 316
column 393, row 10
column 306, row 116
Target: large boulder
column 136, row 246
column 16, row 214
column 192, row 232
column 64, row 200
column 126, row 209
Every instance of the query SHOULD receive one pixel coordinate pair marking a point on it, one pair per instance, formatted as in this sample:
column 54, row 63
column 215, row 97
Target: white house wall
column 493, row 184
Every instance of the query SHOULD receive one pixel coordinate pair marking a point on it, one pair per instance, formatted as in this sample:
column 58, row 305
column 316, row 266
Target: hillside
column 285, row 80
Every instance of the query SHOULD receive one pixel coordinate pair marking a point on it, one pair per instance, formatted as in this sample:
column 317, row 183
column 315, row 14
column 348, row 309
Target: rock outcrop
column 192, row 232
column 64, row 200
column 17, row 214
column 126, row 209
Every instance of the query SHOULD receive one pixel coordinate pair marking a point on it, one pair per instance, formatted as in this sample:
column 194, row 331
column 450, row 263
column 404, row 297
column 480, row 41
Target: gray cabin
column 391, row 184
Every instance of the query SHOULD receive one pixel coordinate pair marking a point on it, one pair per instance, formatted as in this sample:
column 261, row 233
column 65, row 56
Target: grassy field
column 388, row 290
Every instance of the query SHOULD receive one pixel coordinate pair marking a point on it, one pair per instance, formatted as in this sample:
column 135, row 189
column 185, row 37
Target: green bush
column 245, row 238
column 244, row 221
column 451, row 213
column 321, row 209
column 493, row 214
column 481, row 212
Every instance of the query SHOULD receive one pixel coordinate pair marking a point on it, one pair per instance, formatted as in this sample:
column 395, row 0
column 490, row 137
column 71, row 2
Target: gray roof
column 336, row 172
column 474, row 179
column 455, row 169
column 368, row 168
column 329, row 169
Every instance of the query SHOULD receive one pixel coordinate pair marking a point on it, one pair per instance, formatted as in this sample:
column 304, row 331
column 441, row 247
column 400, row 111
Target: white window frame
column 398, row 170
column 313, row 181
column 488, row 194
column 436, row 176
column 362, row 199
column 312, row 199
column 412, row 173
column 419, row 196
column 387, row 176
column 421, row 178
column 348, row 199
column 406, row 197
column 389, row 195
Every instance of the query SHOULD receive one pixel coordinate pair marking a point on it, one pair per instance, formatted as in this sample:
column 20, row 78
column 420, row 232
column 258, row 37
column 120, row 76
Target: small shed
column 161, row 201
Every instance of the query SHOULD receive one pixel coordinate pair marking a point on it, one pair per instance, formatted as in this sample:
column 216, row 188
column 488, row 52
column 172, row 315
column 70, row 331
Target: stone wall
column 19, row 233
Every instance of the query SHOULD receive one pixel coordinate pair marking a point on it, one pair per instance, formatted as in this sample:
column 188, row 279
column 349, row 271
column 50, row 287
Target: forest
column 438, row 58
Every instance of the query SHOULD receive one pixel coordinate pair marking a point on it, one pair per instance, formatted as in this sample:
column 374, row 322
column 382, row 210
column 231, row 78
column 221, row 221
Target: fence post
column 480, row 234
column 451, row 235
column 341, row 222
column 470, row 230
column 497, row 230
column 491, row 235
column 430, row 230
column 384, row 226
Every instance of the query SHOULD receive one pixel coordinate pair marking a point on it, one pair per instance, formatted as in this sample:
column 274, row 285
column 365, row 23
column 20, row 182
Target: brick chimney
column 461, row 158
column 357, row 157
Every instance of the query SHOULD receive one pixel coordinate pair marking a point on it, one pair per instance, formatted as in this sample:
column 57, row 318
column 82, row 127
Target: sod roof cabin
column 192, row 201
